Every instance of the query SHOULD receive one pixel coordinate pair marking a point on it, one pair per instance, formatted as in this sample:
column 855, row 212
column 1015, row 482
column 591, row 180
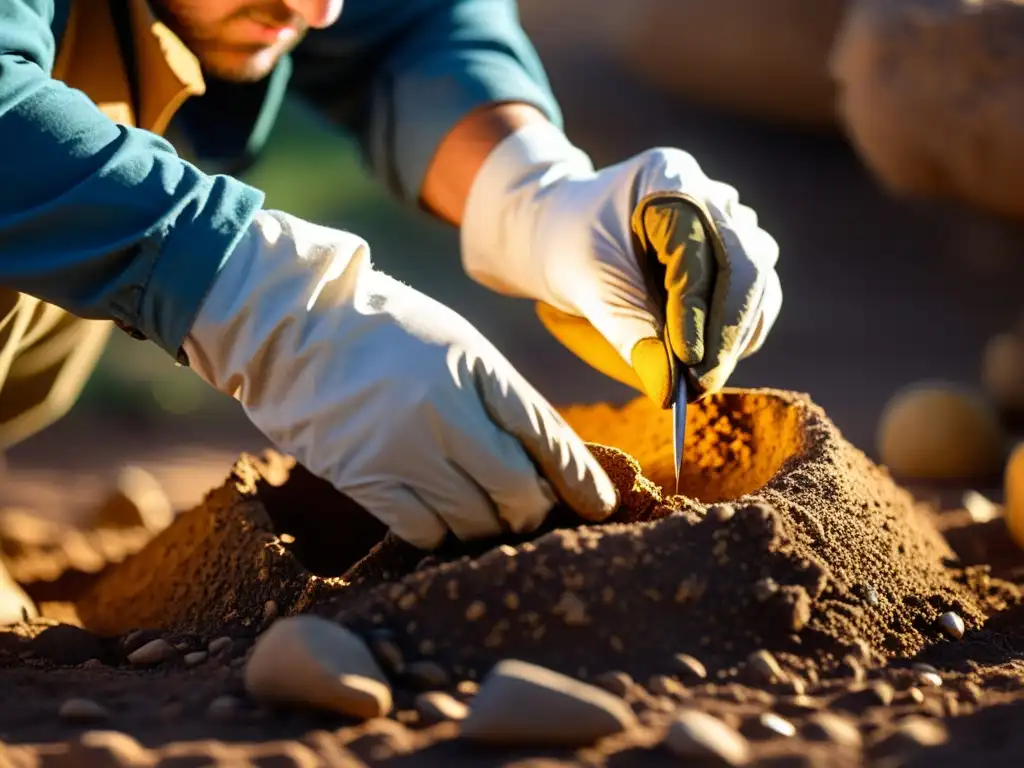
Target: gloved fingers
column 563, row 458
column 771, row 306
column 740, row 283
column 403, row 511
column 497, row 464
column 456, row 496
column 725, row 196
column 743, row 217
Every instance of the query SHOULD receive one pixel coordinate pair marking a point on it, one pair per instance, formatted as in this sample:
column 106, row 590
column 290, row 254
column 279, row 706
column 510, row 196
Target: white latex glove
column 389, row 395
column 540, row 222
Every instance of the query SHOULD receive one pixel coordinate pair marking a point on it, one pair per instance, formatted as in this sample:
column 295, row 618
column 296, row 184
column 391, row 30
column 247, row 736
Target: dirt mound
column 785, row 538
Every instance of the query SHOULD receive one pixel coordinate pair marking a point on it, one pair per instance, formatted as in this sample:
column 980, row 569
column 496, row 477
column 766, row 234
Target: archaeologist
column 391, row 396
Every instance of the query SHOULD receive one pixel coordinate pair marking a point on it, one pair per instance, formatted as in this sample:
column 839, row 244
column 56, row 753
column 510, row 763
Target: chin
column 241, row 67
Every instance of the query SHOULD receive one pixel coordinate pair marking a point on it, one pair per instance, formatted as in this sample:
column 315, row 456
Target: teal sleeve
column 102, row 220
column 420, row 67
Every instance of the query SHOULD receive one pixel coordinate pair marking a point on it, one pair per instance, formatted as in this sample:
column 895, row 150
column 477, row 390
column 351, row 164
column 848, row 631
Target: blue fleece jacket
column 109, row 222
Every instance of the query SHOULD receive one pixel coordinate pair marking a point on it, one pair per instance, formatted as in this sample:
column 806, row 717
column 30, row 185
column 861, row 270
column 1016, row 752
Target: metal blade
column 679, row 425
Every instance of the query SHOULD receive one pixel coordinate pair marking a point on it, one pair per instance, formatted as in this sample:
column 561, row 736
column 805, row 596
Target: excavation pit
column 785, row 538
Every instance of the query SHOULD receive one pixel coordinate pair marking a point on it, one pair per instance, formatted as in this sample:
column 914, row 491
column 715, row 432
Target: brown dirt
column 786, row 539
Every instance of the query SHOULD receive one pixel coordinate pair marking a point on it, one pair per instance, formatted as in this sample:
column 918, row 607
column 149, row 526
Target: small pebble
column 151, row 653
column 883, row 692
column 952, row 624
column 721, row 513
column 467, row 687
column 308, row 661
column 438, row 707
column 92, row 664
column 527, row 705
column 826, row 726
column 917, row 695
column 195, row 659
column 82, row 711
column 696, row 735
column 387, row 652
column 933, row 679
column 663, row 685
column 269, row 610
column 618, row 683
column 220, row 644
column 913, row 733
column 223, row 708
column 765, row 588
column 137, row 639
column 689, row 667
column 426, row 675
column 776, row 724
column 765, row 666
column 970, row 692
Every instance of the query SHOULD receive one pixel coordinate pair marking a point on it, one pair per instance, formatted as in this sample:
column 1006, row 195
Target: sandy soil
column 787, row 542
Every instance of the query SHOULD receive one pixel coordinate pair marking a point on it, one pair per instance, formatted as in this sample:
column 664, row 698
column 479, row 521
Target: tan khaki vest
column 46, row 355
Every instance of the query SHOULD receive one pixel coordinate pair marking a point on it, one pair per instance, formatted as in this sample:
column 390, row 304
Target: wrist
column 281, row 280
column 505, row 206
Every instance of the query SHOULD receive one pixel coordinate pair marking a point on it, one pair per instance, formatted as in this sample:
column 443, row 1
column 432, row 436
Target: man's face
column 241, row 40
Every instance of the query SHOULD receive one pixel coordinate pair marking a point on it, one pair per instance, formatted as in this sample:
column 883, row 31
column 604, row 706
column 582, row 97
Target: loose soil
column 784, row 540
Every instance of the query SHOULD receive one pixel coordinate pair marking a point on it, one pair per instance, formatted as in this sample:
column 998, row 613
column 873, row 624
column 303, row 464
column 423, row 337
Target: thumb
column 681, row 266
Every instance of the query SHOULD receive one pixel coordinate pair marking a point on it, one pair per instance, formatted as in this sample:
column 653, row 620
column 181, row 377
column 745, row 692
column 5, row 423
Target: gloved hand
column 391, row 396
column 540, row 222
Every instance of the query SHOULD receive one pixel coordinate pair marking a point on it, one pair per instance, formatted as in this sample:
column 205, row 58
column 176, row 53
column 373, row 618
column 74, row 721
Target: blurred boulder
column 761, row 58
column 932, row 96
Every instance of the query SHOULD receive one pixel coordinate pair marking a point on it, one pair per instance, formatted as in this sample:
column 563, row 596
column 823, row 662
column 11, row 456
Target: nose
column 317, row 13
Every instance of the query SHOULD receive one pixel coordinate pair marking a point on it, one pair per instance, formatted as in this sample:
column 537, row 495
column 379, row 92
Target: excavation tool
column 678, row 259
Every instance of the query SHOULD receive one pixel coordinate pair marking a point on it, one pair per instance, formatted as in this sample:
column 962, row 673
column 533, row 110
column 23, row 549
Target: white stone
column 310, row 662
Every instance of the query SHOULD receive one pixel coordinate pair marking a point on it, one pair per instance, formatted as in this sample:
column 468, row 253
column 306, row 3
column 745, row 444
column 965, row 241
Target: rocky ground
column 793, row 606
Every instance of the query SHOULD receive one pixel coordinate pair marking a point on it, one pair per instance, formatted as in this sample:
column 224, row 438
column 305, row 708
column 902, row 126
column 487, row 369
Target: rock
column 137, row 500
column 523, row 704
column 1002, row 371
column 952, row 624
column 689, row 668
column 426, row 675
column 82, row 711
column 663, row 685
column 438, row 707
column 774, row 724
column 308, row 661
column 387, row 652
column 930, row 93
column 766, row 59
column 970, row 692
column 882, row 692
column 696, row 735
column 980, row 507
column 935, row 431
column 913, row 733
column 833, row 728
column 195, row 658
column 468, row 688
column 223, row 708
column 152, row 652
column 219, row 645
column 618, row 683
column 930, row 679
column 1013, row 489
column 765, row 666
